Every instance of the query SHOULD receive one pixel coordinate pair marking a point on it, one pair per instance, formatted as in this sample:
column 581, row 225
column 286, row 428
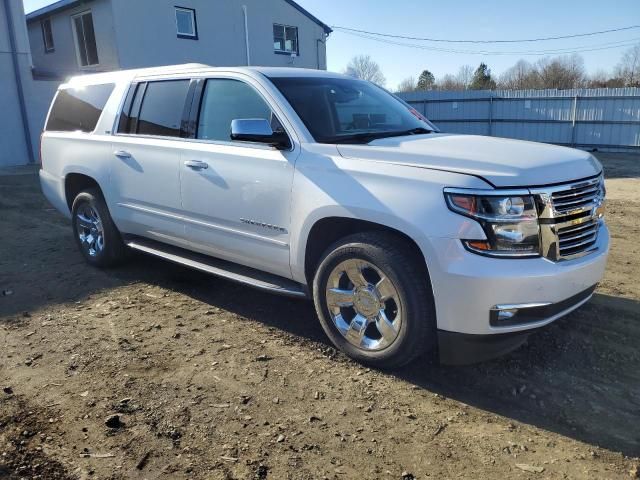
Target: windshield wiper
column 367, row 137
column 414, row 131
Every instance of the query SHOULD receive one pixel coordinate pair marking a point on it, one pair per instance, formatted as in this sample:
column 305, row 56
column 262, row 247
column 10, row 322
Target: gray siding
column 14, row 145
column 589, row 118
column 146, row 34
column 63, row 61
column 39, row 96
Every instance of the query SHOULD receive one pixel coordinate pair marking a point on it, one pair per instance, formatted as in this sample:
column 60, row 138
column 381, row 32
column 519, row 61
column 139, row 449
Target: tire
column 381, row 258
column 95, row 233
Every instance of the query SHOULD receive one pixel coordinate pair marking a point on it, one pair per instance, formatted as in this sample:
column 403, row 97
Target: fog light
column 507, row 314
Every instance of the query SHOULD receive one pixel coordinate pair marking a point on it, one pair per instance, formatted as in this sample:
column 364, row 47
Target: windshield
column 343, row 110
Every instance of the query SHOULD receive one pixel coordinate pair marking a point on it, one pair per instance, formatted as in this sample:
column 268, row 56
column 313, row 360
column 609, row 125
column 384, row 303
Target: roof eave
column 327, row 29
column 53, row 8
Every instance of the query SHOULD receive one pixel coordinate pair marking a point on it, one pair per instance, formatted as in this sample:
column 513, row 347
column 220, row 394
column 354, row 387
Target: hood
column 502, row 162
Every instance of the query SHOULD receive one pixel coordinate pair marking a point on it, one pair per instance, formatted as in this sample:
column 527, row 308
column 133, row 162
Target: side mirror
column 258, row 130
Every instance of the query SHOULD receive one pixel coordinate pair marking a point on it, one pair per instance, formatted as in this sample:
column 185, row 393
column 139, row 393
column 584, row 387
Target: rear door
column 145, row 173
column 236, row 195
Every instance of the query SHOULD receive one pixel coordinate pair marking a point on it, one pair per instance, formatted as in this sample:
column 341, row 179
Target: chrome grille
column 575, row 239
column 565, row 201
column 570, row 217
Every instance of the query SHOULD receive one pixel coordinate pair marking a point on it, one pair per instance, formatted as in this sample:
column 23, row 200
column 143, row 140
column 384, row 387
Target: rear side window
column 79, row 109
column 162, row 108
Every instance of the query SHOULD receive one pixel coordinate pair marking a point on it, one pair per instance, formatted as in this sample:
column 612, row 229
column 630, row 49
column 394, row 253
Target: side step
column 221, row 268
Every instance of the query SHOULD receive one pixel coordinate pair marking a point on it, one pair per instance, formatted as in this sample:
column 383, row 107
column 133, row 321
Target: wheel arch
column 74, row 183
column 327, row 230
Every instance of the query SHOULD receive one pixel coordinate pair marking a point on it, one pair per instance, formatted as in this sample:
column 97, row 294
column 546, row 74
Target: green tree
column 482, row 78
column 426, row 81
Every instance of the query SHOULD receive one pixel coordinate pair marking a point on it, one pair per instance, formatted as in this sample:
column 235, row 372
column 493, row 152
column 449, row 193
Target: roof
column 65, row 4
column 275, row 72
column 327, row 28
column 193, row 69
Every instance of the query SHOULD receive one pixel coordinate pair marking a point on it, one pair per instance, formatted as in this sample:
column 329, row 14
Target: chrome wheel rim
column 90, row 230
column 364, row 305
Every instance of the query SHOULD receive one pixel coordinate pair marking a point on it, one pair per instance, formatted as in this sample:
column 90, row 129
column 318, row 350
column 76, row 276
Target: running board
column 220, row 268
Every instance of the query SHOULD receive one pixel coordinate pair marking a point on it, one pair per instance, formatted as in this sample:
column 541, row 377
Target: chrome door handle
column 122, row 154
column 196, row 164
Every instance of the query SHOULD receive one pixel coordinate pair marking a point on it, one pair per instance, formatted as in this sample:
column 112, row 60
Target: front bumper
column 468, row 288
column 462, row 349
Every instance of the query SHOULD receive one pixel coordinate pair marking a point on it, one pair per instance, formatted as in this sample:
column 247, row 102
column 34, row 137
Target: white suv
column 313, row 184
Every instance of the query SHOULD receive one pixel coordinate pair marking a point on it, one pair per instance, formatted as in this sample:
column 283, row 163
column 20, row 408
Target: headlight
column 510, row 222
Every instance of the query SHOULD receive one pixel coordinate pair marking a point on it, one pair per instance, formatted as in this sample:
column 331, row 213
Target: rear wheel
column 96, row 235
column 374, row 300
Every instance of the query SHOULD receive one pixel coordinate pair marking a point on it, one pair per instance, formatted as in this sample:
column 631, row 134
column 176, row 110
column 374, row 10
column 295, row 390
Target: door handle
column 122, row 154
column 196, row 164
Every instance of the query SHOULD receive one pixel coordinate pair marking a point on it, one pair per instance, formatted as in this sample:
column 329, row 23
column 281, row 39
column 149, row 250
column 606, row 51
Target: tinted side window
column 79, row 109
column 130, row 109
column 162, row 108
column 226, row 100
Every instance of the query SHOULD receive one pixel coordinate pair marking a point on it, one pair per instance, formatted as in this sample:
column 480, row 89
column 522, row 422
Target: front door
column 236, row 195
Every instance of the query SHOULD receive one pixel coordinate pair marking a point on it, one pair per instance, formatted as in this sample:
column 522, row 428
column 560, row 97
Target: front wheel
column 374, row 300
column 96, row 235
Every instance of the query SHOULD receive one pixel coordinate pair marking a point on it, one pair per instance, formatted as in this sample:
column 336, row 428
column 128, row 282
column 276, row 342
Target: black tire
column 405, row 268
column 113, row 250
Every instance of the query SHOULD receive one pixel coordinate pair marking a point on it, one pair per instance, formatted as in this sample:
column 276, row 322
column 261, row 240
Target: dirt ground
column 211, row 380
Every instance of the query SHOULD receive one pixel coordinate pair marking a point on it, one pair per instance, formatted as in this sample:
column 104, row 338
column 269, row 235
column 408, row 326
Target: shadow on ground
column 579, row 377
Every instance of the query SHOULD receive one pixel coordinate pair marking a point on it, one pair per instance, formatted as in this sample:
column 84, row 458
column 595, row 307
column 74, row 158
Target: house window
column 85, row 39
column 47, row 35
column 285, row 39
column 186, row 23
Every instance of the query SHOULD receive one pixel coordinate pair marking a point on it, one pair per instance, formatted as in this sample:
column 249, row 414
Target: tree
column 365, row 68
column 450, row 83
column 482, row 78
column 407, row 85
column 426, row 81
column 566, row 71
column 521, row 76
column 465, row 76
column 602, row 79
column 629, row 67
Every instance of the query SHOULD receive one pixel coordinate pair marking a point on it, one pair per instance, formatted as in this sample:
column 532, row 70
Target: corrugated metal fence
column 604, row 118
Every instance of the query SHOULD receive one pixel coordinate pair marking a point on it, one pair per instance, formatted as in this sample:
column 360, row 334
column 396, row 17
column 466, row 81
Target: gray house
column 72, row 36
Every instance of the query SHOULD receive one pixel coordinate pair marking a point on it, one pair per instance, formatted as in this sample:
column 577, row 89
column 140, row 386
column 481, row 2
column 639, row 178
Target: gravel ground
column 154, row 371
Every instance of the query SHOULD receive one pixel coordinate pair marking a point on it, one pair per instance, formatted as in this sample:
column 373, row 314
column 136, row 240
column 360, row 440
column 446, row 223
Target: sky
column 467, row 20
